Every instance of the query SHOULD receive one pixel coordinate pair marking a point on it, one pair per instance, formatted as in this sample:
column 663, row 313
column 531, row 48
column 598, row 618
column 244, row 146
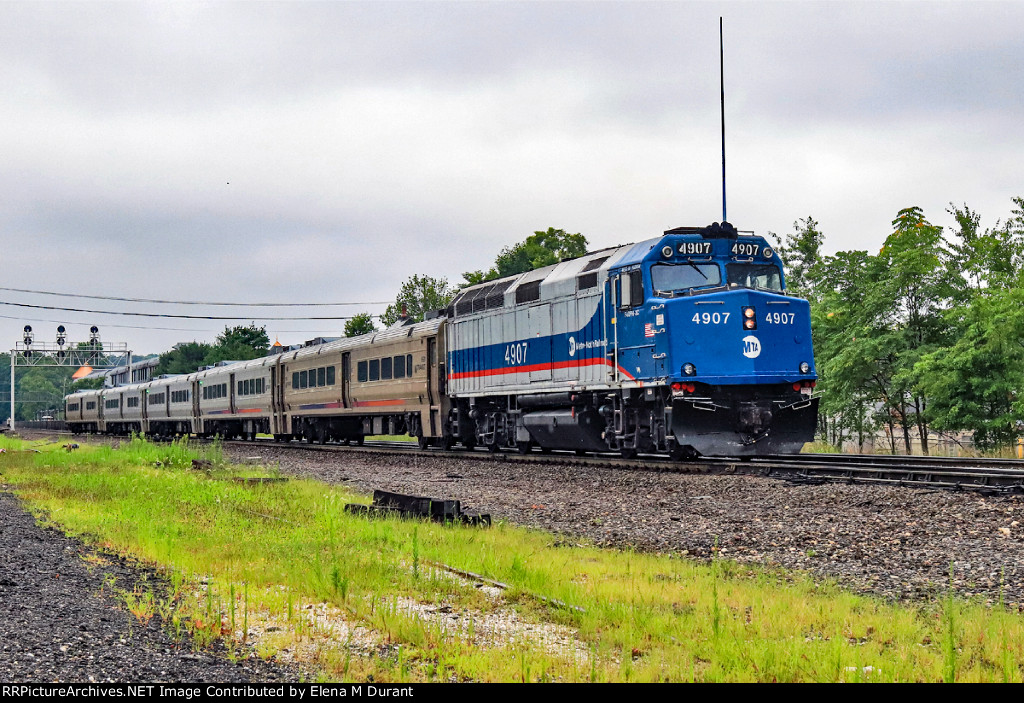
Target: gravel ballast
column 890, row 541
column 60, row 619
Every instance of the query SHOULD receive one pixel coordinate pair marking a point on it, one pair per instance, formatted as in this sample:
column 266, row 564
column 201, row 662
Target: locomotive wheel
column 492, row 447
column 627, row 453
column 423, row 442
column 448, row 443
column 359, row 440
column 469, row 444
column 524, row 447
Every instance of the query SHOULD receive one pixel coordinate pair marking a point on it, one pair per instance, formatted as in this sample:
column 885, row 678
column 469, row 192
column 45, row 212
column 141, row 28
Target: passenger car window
column 361, row 372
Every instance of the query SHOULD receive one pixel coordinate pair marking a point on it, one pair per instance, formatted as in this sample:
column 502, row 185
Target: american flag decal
column 648, row 330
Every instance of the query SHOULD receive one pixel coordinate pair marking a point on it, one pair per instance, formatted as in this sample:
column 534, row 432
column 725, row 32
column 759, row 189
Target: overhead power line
column 171, row 315
column 151, row 327
column 193, row 302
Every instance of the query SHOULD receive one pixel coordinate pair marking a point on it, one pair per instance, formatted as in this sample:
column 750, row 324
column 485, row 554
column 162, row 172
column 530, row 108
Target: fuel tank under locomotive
column 563, row 421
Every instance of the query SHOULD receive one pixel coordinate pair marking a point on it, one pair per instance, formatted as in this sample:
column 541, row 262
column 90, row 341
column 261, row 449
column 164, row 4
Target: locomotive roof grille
column 528, row 292
column 496, row 294
column 587, row 280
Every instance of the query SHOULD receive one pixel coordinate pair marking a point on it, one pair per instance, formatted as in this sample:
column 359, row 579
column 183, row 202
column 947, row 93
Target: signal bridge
column 93, row 354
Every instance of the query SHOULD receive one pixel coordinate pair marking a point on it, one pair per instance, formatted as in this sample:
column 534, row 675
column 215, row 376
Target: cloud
column 326, row 151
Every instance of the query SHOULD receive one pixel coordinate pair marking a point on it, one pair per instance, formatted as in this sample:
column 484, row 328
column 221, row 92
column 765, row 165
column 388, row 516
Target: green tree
column 184, row 357
column 536, row 251
column 974, row 384
column 974, row 381
column 908, row 297
column 239, row 343
column 419, row 295
column 38, row 388
column 361, row 323
column 875, row 317
column 840, row 324
column 801, row 253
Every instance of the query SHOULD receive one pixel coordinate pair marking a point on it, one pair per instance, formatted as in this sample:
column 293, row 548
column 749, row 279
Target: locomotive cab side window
column 361, row 373
column 763, row 276
column 668, row 279
column 629, row 290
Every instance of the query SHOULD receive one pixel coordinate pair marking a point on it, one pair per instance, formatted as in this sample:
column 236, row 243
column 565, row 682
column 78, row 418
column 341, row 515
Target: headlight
column 689, row 370
column 805, row 367
column 749, row 318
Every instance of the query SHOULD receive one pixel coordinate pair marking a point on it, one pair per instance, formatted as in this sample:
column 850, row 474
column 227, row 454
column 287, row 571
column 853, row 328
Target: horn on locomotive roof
column 715, row 230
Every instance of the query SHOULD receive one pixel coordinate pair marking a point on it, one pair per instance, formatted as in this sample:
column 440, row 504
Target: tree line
column 421, row 293
column 925, row 336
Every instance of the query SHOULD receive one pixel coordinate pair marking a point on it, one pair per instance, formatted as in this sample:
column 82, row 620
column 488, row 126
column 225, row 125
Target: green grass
column 265, row 555
column 390, row 438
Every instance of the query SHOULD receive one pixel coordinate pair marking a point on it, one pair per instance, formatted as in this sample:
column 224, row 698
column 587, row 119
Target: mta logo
column 751, row 347
column 572, row 346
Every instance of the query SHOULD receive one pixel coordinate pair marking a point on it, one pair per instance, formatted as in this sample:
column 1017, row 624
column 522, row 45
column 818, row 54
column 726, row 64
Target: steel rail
column 919, row 472
column 947, row 473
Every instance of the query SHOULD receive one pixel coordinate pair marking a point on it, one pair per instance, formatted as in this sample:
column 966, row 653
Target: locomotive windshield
column 764, row 276
column 674, row 278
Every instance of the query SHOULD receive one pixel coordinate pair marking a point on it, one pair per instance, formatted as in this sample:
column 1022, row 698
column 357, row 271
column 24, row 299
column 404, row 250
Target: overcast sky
column 323, row 152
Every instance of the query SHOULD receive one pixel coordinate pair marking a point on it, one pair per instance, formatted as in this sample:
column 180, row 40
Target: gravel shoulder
column 61, row 621
column 894, row 542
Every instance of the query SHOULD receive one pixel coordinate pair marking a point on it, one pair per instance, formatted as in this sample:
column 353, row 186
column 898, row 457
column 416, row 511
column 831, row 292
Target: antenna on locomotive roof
column 721, row 69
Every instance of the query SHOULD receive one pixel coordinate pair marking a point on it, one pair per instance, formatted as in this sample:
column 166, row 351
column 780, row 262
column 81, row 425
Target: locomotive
column 686, row 344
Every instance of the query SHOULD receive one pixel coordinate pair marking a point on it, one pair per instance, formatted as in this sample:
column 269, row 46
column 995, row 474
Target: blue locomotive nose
column 739, row 337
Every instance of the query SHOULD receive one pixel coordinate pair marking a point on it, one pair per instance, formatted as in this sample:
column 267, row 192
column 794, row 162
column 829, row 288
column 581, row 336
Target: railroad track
column 992, row 476
column 995, row 476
